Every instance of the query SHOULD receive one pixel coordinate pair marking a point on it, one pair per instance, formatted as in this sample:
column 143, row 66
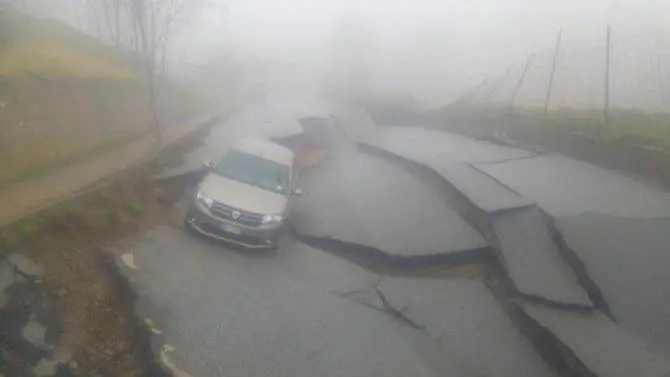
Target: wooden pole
column 607, row 74
column 553, row 71
column 529, row 61
column 662, row 78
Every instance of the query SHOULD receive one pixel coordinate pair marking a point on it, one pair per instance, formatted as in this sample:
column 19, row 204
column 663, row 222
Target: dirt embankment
column 90, row 317
column 66, row 96
column 47, row 123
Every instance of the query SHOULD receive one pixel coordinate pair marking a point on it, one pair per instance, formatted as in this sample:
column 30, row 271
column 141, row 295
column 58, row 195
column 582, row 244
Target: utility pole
column 607, row 74
column 662, row 77
column 553, row 70
column 529, row 61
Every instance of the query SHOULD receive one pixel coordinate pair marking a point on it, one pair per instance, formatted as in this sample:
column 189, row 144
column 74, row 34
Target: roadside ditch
column 63, row 309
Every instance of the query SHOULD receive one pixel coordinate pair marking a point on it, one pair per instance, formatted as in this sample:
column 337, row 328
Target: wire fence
column 611, row 69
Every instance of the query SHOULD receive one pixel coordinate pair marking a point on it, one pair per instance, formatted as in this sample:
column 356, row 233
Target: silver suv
column 244, row 198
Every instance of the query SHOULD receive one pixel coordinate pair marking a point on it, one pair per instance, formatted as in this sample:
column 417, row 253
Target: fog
column 434, row 50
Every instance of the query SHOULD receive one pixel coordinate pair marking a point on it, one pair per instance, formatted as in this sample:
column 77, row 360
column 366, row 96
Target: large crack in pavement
column 382, row 305
column 548, row 345
column 570, row 256
column 485, row 224
column 374, row 258
column 552, row 350
column 584, row 278
column 397, row 314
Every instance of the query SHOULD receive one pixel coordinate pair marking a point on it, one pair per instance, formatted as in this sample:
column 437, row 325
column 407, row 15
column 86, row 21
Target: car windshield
column 254, row 170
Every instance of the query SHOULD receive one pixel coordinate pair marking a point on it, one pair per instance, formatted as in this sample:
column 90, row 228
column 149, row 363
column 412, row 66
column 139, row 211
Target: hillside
column 65, row 96
column 31, row 46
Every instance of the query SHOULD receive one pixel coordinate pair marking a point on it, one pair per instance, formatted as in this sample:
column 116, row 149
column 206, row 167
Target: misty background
column 430, row 52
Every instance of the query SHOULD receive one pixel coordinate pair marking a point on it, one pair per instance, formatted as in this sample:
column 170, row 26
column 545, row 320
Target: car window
column 255, row 171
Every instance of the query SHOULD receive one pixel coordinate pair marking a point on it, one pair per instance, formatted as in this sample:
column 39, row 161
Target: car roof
column 265, row 149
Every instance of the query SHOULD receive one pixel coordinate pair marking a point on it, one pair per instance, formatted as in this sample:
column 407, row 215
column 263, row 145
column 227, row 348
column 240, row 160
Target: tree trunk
column 117, row 25
column 149, row 61
column 151, row 82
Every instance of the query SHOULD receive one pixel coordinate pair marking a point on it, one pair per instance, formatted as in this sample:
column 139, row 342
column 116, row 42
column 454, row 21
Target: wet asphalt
column 618, row 226
column 363, row 200
column 301, row 311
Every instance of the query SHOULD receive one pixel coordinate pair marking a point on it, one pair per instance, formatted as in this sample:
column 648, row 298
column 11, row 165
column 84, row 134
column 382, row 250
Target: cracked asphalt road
column 305, row 312
column 293, row 313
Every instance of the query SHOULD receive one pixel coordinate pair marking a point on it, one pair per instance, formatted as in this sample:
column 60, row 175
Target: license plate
column 231, row 229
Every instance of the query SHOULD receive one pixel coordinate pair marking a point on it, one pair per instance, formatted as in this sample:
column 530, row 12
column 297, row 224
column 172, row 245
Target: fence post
column 553, row 70
column 529, row 61
column 607, row 74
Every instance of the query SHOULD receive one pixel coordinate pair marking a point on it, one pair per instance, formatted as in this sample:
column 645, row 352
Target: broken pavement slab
column 629, row 259
column 602, row 347
column 388, row 211
column 516, row 227
column 481, row 189
column 25, row 266
column 31, row 321
column 35, row 333
column 56, row 365
column 533, row 260
column 566, row 187
column 434, row 147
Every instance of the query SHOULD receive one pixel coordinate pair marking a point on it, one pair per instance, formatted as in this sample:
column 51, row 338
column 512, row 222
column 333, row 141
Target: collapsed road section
column 213, row 310
column 536, row 266
column 358, row 199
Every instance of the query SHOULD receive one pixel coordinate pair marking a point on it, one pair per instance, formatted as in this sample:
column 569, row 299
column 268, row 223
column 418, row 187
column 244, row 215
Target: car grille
column 242, row 238
column 226, row 212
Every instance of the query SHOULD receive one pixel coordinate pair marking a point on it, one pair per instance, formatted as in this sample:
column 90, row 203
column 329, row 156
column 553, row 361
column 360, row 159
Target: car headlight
column 204, row 199
column 272, row 219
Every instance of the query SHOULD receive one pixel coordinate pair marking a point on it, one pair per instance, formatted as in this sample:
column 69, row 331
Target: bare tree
column 109, row 18
column 146, row 27
column 156, row 22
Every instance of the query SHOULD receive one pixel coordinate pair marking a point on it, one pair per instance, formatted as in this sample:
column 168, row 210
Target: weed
column 135, row 208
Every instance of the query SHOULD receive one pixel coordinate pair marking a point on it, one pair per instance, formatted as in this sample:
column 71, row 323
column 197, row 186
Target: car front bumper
column 202, row 221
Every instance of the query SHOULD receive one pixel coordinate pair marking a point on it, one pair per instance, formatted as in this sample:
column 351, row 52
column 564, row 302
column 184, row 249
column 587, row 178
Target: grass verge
column 35, row 171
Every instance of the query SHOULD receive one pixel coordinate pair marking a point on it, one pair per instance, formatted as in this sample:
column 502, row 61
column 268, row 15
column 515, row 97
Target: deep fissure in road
column 548, row 346
column 482, row 222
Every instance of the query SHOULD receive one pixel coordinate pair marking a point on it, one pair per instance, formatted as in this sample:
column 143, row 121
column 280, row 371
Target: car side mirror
column 298, row 192
column 207, row 164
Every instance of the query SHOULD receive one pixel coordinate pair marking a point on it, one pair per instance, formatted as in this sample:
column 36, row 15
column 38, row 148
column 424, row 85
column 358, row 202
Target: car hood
column 243, row 196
